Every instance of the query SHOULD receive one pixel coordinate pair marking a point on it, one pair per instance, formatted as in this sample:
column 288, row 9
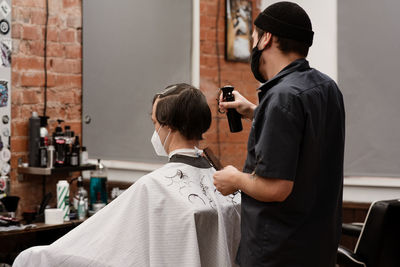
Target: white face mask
column 157, row 145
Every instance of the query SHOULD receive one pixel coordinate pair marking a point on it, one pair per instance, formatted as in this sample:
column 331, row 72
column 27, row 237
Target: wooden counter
column 13, row 242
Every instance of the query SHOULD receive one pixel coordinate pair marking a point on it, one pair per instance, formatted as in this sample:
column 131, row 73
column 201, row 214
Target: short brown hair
column 184, row 108
column 288, row 45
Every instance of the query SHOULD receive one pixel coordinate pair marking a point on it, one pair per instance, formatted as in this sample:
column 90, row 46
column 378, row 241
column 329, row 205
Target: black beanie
column 287, row 20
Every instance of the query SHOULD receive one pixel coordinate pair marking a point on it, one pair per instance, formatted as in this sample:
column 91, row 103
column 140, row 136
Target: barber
column 292, row 180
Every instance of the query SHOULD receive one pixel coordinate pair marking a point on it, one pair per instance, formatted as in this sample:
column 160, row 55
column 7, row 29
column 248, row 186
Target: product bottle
column 44, row 133
column 75, row 151
column 43, row 153
column 81, row 193
column 34, row 140
column 63, row 198
column 98, row 184
column 68, row 136
column 44, row 141
column 81, row 209
column 234, row 118
column 59, row 145
column 50, row 156
column 84, row 157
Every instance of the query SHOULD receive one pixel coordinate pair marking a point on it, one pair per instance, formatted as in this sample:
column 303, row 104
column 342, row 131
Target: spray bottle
column 234, row 118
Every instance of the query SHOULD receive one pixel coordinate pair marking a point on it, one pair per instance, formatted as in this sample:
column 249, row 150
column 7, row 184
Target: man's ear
column 266, row 39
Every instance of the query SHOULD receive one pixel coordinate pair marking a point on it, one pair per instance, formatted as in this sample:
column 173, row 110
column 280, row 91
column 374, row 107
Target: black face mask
column 255, row 63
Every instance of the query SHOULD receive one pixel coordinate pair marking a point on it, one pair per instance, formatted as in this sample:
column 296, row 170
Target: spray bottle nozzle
column 58, row 128
column 227, row 90
column 227, row 93
column 43, row 121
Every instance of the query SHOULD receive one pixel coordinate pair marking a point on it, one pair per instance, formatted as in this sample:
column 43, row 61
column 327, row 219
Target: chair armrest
column 347, row 258
column 352, row 229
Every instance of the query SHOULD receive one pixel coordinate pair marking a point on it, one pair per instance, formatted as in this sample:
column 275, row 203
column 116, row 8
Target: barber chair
column 378, row 242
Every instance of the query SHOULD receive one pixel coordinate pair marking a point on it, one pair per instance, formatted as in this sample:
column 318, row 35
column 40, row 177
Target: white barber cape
column 173, row 216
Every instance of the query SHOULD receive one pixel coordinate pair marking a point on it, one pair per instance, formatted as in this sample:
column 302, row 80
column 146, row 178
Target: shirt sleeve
column 278, row 144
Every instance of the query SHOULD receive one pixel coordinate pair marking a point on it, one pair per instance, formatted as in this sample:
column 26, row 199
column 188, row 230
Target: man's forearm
column 263, row 189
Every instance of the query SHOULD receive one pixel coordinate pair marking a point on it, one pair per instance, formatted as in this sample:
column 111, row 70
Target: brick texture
column 64, row 65
column 230, row 147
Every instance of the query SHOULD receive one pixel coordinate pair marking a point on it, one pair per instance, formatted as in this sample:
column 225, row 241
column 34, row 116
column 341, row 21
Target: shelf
column 51, row 171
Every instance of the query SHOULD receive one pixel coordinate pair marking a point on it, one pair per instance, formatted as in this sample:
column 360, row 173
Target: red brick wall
column 64, row 80
column 231, row 147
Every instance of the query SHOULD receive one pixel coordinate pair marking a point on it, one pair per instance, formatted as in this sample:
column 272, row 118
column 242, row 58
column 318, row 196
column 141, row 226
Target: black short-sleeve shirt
column 298, row 135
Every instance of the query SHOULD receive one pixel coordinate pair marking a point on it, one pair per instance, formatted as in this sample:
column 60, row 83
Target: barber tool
column 234, row 118
column 212, row 159
column 45, row 201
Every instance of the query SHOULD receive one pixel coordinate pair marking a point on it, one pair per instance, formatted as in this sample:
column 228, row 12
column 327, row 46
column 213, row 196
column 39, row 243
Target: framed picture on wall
column 238, row 30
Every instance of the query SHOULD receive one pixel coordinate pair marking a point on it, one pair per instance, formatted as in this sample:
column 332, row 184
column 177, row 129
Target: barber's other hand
column 225, row 180
column 241, row 104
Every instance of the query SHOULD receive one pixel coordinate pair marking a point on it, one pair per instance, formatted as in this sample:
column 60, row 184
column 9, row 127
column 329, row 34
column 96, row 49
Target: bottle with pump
column 68, row 135
column 81, row 194
column 44, row 133
column 98, row 184
column 59, row 145
column 234, row 118
column 34, row 140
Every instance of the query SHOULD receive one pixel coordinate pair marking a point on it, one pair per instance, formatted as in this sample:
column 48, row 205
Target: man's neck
column 278, row 62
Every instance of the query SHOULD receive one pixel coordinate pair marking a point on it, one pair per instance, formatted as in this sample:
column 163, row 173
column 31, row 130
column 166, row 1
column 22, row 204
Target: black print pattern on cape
column 183, row 181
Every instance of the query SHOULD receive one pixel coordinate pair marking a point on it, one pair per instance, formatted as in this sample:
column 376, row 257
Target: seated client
column 172, row 216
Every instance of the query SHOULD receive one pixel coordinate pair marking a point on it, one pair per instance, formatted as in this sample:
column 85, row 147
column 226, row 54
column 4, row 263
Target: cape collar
column 198, row 162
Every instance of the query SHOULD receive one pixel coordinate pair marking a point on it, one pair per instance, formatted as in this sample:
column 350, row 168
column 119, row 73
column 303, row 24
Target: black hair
column 287, row 45
column 184, row 108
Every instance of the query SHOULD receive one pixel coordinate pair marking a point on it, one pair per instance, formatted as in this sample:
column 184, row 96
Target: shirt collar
column 297, row 65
